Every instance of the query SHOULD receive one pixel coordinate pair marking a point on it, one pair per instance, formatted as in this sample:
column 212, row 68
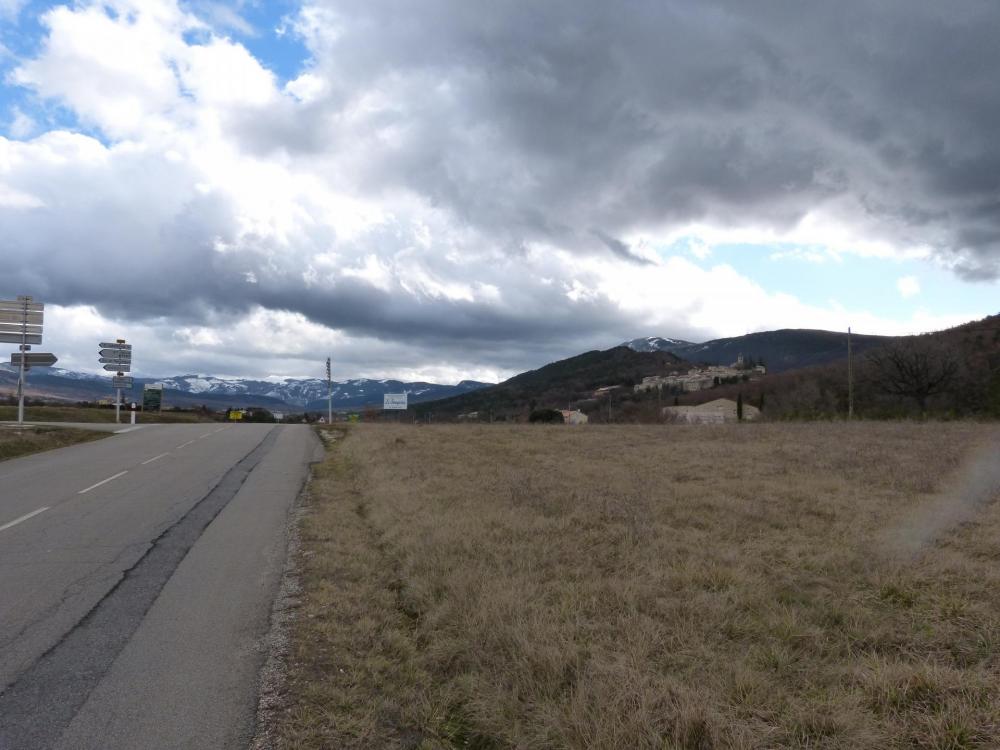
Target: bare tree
column 916, row 368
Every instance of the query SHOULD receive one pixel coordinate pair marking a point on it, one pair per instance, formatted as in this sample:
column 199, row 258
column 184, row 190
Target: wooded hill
column 557, row 385
column 782, row 350
column 966, row 357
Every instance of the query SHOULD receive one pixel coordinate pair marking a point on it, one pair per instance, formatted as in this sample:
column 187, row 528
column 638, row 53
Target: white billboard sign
column 394, row 401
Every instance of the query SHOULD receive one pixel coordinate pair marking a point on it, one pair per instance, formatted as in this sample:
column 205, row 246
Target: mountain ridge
column 286, row 394
column 782, row 349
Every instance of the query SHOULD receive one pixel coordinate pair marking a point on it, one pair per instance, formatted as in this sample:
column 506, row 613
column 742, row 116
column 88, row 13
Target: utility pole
column 850, row 377
column 329, row 394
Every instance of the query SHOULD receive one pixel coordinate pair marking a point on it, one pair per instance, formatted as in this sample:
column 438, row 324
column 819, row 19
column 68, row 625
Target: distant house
column 574, row 417
column 719, row 411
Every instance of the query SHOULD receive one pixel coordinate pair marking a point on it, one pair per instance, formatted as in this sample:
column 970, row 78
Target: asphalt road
column 137, row 575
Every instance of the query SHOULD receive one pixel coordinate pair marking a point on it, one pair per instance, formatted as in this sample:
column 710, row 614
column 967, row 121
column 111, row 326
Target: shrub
column 546, row 416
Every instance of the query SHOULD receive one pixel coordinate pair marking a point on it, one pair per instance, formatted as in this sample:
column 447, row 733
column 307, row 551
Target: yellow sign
column 235, row 416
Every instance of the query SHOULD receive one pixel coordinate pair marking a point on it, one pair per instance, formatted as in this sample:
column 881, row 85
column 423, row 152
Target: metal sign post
column 329, row 394
column 117, row 358
column 21, row 323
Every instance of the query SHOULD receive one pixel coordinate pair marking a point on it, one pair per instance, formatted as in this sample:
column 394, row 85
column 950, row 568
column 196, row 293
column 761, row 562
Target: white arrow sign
column 35, row 359
column 116, row 353
column 17, row 338
column 21, row 306
column 19, row 317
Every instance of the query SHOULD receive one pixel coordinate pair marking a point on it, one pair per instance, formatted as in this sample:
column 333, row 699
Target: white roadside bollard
column 133, row 412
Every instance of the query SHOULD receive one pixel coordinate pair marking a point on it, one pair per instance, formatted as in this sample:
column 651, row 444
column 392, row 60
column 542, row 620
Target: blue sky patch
column 821, row 277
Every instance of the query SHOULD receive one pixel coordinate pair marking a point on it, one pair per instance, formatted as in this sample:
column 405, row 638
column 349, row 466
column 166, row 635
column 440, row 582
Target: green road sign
column 152, row 398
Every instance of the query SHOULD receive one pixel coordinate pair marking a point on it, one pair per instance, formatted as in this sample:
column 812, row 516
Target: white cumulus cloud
column 908, row 286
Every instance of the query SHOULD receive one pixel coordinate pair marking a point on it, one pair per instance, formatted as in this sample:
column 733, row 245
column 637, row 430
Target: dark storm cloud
column 164, row 252
column 526, row 127
column 539, row 121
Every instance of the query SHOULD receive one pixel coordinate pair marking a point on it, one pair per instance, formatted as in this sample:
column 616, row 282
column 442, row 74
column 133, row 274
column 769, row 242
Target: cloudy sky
column 446, row 189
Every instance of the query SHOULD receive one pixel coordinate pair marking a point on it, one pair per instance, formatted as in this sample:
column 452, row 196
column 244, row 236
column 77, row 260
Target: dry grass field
column 16, row 441
column 92, row 414
column 823, row 585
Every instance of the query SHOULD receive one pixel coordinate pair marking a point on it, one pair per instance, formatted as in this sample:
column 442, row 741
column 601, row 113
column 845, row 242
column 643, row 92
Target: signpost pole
column 24, row 350
column 24, row 300
column 329, row 394
column 118, row 405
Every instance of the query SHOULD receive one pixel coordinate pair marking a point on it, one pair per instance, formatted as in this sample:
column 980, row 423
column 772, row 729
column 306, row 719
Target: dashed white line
column 204, row 436
column 218, row 430
column 129, row 429
column 103, row 481
column 25, row 517
column 154, row 458
column 183, row 445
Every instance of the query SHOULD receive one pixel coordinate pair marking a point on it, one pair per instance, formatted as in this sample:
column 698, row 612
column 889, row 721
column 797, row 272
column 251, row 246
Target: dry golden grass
column 20, row 441
column 741, row 586
column 94, row 414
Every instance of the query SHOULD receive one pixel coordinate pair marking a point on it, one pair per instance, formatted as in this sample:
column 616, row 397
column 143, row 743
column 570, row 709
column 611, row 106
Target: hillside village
column 700, row 378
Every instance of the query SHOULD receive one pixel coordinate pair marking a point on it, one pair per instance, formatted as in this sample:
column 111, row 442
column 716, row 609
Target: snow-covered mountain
column 311, row 393
column 656, row 344
column 188, row 390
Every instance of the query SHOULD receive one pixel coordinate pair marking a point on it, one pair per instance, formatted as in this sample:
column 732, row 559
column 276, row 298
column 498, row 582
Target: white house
column 574, row 416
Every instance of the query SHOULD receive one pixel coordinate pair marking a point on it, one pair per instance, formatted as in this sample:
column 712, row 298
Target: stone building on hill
column 699, row 379
column 719, row 411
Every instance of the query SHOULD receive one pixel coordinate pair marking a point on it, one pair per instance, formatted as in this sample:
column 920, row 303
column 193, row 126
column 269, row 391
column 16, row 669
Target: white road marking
column 129, row 429
column 154, row 458
column 103, row 481
column 183, row 445
column 25, row 517
column 204, row 436
column 218, row 430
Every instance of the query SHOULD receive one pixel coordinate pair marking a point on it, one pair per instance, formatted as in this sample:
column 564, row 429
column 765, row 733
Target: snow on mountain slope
column 656, row 344
column 309, row 393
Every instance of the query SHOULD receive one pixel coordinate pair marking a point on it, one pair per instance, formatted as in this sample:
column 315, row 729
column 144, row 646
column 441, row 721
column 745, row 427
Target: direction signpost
column 21, row 323
column 117, row 358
